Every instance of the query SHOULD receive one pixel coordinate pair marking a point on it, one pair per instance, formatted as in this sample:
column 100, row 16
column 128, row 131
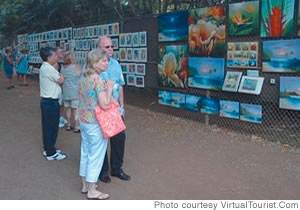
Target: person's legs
column 117, row 146
column 68, row 115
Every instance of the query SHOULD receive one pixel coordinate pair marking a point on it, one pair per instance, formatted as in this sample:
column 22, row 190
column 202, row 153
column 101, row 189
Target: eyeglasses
column 109, row 46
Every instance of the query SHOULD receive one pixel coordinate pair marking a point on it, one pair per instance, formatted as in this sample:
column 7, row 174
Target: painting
column 164, row 97
column 116, row 29
column 139, row 81
column 122, row 38
column 243, row 18
column 129, row 54
column 143, row 54
column 277, row 18
column 192, row 103
column 230, row 109
column 172, row 66
column 123, row 53
column 251, row 85
column 124, row 68
column 171, row 99
column 289, row 93
column 207, row 31
column 210, row 105
column 131, row 68
column 173, row 26
column 115, row 44
column 140, row 69
column 136, row 54
column 232, row 81
column 242, row 54
column 251, row 113
column 128, row 40
column 143, row 38
column 130, row 80
column 135, row 39
column 281, row 56
column 206, row 73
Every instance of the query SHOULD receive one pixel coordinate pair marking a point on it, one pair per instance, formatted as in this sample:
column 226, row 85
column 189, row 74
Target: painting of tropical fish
column 243, row 18
column 277, row 18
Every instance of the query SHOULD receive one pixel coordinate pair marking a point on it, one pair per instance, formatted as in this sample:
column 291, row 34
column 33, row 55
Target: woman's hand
column 109, row 84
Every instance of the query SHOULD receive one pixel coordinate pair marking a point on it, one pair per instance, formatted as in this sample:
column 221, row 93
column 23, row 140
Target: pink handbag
column 110, row 120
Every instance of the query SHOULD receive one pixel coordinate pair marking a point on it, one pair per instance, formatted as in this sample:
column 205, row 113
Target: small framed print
column 100, row 30
column 143, row 38
column 136, row 54
column 139, row 81
column 116, row 29
column 130, row 80
column 131, row 68
column 67, row 47
column 251, row 85
column 135, row 39
column 122, row 40
column 115, row 43
column 140, row 69
column 232, row 81
column 129, row 40
column 117, row 55
column 105, row 30
column 124, row 68
column 143, row 54
column 123, row 53
column 129, row 56
column 110, row 30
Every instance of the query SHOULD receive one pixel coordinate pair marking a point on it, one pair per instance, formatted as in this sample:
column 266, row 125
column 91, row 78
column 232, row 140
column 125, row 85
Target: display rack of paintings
column 232, row 81
column 277, row 18
column 243, row 18
column 289, row 93
column 251, row 113
column 230, row 109
column 281, row 56
column 207, row 31
column 251, row 85
column 242, row 54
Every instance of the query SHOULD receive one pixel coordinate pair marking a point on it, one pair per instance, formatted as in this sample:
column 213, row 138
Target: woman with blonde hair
column 72, row 74
column 92, row 92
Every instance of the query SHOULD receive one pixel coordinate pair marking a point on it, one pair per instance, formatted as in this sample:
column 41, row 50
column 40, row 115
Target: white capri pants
column 93, row 150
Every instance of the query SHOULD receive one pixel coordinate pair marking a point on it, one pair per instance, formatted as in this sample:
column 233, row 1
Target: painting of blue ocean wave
column 289, row 93
column 251, row 113
column 230, row 109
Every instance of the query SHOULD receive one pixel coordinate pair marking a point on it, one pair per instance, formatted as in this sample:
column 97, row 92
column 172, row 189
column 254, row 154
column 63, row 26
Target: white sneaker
column 61, row 123
column 57, row 156
column 45, row 154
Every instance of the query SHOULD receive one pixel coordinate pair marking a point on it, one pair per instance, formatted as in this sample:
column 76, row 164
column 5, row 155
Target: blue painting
column 173, row 26
column 164, row 97
column 192, row 102
column 281, row 56
column 210, row 106
column 289, row 93
column 206, row 73
column 230, row 109
column 171, row 98
column 251, row 113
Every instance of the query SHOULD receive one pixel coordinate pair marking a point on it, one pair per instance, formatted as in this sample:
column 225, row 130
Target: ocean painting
column 230, row 109
column 172, row 66
column 164, row 97
column 192, row 103
column 243, row 18
column 171, row 98
column 289, row 93
column 251, row 113
column 210, row 105
column 281, row 56
column 173, row 26
column 206, row 73
column 277, row 18
column 207, row 31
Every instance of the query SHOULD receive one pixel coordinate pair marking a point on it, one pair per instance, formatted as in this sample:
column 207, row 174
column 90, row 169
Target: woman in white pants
column 92, row 92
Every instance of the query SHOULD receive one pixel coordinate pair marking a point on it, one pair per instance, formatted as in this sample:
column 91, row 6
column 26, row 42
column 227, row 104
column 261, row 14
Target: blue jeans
column 50, row 119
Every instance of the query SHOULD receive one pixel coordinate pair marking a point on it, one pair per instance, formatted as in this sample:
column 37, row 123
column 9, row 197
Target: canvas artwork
column 230, row 109
column 210, row 105
column 130, row 80
column 110, row 29
column 136, row 54
column 164, row 97
column 131, row 68
column 207, row 31
column 171, row 98
column 123, row 53
column 173, row 26
column 116, row 29
column 243, row 18
column 172, row 66
column 251, row 113
column 232, row 81
column 143, row 54
column 115, row 43
column 135, row 39
column 277, row 18
column 116, row 55
column 128, row 39
column 242, row 54
column 193, row 102
column 124, row 68
column 139, row 81
column 143, row 38
column 289, row 93
column 140, row 69
column 251, row 85
column 129, row 54
column 206, row 73
column 281, row 56
column 122, row 38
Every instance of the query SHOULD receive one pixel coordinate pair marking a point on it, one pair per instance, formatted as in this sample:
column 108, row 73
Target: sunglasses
column 109, row 46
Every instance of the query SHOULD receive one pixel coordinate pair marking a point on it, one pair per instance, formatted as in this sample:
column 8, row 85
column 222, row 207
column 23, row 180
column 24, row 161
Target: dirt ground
column 167, row 158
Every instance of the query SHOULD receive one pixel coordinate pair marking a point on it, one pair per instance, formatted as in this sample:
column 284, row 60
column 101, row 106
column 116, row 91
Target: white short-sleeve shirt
column 49, row 88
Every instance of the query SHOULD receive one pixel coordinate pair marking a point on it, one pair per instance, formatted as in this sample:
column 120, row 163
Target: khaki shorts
column 71, row 103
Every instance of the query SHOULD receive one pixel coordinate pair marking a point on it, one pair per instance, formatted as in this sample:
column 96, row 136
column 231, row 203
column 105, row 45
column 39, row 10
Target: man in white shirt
column 50, row 91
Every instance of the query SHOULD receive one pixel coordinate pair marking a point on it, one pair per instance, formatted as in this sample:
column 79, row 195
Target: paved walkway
column 167, row 157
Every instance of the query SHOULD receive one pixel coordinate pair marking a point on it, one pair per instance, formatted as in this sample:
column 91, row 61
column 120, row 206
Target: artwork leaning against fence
column 230, row 109
column 251, row 113
column 277, row 18
column 193, row 102
column 210, row 105
column 172, row 66
column 207, row 31
column 289, row 93
column 243, row 18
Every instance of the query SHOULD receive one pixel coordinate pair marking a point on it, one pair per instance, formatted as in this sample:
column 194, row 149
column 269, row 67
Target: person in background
column 58, row 66
column 72, row 74
column 93, row 92
column 8, row 66
column 50, row 91
column 117, row 142
column 22, row 68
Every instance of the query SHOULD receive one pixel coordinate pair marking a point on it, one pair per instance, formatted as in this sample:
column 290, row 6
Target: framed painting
column 164, row 97
column 251, row 85
column 192, row 102
column 230, row 109
column 206, row 73
column 130, row 80
column 122, row 38
column 251, row 113
column 140, row 69
column 143, row 54
column 135, row 39
column 277, row 18
column 289, row 93
column 143, row 38
column 281, row 56
column 139, row 81
column 124, row 68
column 232, row 81
column 210, row 105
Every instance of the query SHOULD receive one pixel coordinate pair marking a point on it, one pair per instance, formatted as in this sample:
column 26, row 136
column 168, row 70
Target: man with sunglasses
column 117, row 142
